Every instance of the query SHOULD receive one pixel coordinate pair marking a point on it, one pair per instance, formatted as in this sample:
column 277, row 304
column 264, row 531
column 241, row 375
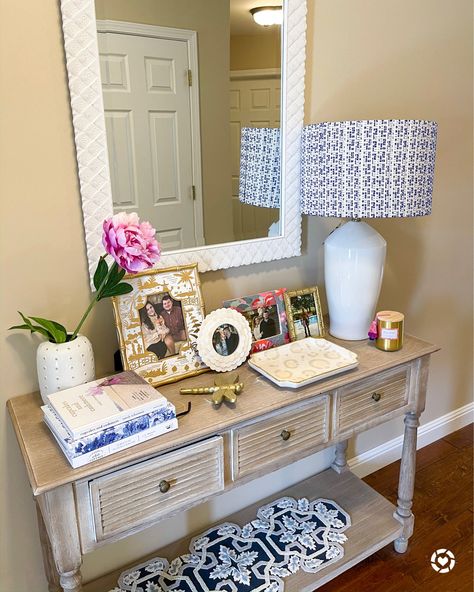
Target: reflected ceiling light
column 267, row 15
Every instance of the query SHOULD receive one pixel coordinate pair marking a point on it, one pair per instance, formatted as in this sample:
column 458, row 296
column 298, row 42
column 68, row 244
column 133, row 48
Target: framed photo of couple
column 158, row 322
column 266, row 316
column 303, row 309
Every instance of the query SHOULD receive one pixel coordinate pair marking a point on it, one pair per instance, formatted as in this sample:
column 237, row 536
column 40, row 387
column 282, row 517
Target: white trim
column 258, row 73
column 82, row 63
column 190, row 38
column 380, row 456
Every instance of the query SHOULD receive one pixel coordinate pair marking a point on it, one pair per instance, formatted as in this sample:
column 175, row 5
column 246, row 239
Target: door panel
column 148, row 114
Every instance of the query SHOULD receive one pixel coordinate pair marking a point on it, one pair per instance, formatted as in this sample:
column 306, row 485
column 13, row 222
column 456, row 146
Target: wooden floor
column 443, row 520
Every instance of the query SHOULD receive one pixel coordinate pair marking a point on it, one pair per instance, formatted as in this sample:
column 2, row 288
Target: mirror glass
column 180, row 79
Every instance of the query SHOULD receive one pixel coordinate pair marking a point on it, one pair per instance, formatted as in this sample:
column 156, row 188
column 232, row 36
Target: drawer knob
column 376, row 396
column 164, row 486
column 285, row 435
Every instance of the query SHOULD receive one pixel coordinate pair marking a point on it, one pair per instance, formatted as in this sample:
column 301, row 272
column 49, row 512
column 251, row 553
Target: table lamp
column 363, row 169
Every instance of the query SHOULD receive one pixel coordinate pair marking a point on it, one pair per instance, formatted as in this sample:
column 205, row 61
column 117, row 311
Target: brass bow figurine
column 226, row 388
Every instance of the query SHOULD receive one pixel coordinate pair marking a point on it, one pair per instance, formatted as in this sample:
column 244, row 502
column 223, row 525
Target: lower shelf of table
column 373, row 527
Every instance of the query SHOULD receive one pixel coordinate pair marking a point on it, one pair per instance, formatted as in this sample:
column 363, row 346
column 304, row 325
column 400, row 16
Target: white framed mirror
column 114, row 169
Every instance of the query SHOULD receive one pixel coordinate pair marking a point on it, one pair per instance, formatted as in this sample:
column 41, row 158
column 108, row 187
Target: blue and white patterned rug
column 287, row 535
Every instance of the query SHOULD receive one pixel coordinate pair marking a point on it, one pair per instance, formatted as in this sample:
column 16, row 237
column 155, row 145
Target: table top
column 48, row 468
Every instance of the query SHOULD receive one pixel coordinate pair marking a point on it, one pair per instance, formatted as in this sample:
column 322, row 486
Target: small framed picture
column 158, row 323
column 266, row 316
column 224, row 340
column 303, row 310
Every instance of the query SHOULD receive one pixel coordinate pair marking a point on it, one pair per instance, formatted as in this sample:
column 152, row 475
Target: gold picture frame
column 158, row 323
column 303, row 311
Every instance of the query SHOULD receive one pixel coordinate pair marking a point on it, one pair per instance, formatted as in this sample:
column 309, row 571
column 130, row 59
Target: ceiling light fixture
column 267, row 15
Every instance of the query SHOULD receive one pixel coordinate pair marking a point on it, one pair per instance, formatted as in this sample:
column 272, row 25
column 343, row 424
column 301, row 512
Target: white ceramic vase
column 63, row 365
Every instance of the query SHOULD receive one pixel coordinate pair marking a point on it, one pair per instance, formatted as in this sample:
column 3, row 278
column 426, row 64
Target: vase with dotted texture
column 64, row 365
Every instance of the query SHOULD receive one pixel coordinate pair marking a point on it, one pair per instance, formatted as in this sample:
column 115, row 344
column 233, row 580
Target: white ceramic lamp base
column 354, row 256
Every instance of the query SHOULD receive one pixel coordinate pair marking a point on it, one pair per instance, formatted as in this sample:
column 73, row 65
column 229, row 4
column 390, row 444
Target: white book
column 80, row 459
column 97, row 405
column 109, row 435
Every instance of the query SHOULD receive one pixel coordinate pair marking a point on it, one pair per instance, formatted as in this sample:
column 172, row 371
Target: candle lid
column 390, row 316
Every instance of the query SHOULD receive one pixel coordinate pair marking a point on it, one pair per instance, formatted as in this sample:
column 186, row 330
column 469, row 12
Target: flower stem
column 92, row 302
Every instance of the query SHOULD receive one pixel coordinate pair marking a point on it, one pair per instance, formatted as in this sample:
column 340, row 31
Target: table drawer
column 140, row 494
column 280, row 437
column 370, row 399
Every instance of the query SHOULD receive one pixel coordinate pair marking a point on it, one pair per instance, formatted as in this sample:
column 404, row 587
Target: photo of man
column 267, row 325
column 305, row 315
column 173, row 317
column 225, row 340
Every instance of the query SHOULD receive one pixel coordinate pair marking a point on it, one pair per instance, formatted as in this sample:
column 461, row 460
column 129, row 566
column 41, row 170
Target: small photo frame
column 158, row 322
column 224, row 340
column 266, row 317
column 303, row 310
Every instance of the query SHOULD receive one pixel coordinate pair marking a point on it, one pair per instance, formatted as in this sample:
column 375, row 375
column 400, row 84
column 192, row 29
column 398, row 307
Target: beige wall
column 250, row 52
column 210, row 19
column 411, row 58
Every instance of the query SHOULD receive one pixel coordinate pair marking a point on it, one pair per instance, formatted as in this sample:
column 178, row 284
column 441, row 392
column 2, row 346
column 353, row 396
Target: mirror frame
column 82, row 64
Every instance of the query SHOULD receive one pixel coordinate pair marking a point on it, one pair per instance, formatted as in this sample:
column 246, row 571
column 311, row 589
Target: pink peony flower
column 130, row 242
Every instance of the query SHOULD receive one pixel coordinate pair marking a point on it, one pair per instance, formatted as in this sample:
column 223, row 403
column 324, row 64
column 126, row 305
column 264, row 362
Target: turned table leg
column 406, row 483
column 340, row 458
column 50, row 571
column 58, row 514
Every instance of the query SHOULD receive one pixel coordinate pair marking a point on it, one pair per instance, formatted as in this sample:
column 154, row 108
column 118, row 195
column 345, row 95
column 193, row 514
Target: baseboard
column 376, row 458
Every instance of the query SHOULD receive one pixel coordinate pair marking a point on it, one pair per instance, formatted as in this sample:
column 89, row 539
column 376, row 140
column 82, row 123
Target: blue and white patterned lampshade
column 259, row 182
column 368, row 169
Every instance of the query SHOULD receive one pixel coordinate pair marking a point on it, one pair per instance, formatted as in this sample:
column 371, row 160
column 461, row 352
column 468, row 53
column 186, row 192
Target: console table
column 215, row 450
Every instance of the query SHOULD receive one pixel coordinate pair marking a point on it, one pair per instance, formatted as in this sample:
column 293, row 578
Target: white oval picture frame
column 219, row 323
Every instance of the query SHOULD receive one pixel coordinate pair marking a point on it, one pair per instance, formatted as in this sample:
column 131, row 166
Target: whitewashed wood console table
column 213, row 451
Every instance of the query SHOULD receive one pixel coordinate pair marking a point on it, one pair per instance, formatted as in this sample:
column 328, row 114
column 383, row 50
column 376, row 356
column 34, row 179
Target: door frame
column 190, row 37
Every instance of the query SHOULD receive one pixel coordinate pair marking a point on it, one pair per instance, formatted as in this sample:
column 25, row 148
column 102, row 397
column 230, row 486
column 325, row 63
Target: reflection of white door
column 149, row 126
column 254, row 102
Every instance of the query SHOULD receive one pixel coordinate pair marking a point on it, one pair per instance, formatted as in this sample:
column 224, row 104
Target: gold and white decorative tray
column 302, row 362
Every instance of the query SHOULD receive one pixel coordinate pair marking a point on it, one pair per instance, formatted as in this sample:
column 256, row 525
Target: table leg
column 48, row 561
column 59, row 516
column 406, row 484
column 340, row 458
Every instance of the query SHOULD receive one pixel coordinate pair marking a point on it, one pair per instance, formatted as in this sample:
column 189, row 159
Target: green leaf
column 117, row 290
column 26, row 319
column 57, row 332
column 116, row 275
column 29, row 325
column 100, row 273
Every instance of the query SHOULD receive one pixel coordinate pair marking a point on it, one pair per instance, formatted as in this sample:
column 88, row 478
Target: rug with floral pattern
column 286, row 536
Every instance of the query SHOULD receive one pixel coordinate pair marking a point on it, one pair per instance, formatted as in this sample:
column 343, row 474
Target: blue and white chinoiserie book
column 86, row 450
column 104, row 403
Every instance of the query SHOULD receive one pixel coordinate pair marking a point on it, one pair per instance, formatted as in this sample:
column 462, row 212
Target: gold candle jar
column 389, row 330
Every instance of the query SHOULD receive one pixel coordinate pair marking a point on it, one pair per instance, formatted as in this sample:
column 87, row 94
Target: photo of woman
column 157, row 336
column 225, row 340
column 257, row 319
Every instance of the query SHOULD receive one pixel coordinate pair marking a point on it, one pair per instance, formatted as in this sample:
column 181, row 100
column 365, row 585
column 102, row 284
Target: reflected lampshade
column 259, row 182
column 368, row 169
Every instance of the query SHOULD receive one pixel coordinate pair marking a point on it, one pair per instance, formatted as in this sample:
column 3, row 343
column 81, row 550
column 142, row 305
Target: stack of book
column 104, row 416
